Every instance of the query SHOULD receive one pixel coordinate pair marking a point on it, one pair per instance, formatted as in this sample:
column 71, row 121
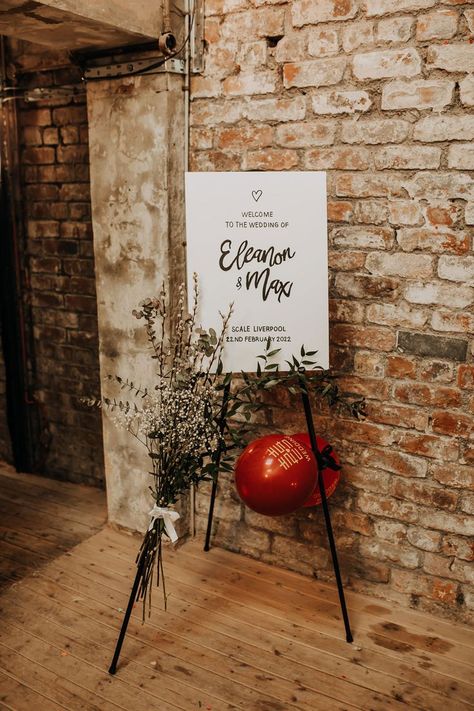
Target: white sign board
column 259, row 241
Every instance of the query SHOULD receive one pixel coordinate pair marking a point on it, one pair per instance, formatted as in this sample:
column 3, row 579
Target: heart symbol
column 257, row 194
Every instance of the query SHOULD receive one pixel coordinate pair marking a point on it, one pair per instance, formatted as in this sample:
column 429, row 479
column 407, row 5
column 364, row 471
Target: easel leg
column 207, row 544
column 126, row 619
column 225, row 403
column 327, row 517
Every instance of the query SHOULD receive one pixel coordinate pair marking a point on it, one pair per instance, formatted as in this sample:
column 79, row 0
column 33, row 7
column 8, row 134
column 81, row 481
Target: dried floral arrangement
column 194, row 418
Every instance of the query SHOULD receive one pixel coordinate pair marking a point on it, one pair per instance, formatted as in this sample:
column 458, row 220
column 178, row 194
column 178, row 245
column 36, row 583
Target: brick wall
column 59, row 259
column 378, row 94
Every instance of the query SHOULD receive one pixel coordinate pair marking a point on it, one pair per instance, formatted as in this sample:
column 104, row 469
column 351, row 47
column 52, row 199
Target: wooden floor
column 41, row 518
column 237, row 635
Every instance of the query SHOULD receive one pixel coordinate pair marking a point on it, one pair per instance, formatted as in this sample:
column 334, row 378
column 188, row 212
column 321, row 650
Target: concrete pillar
column 136, row 135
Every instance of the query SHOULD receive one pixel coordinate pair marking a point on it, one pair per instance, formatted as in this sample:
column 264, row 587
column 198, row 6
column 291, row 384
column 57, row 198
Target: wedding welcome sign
column 258, row 240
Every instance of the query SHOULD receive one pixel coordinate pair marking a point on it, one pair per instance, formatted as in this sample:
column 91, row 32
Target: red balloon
column 330, row 477
column 275, row 475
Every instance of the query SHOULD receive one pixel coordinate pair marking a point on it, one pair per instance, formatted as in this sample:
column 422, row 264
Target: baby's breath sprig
column 178, row 417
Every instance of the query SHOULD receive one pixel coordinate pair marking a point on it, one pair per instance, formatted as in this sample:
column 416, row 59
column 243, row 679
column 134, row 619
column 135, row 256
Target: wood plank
column 50, row 546
column 59, row 658
column 80, row 492
column 67, row 693
column 319, row 613
column 204, row 644
column 461, row 634
column 135, row 675
column 35, row 518
column 61, row 503
column 108, row 578
column 77, row 514
column 17, row 696
column 302, row 662
column 41, row 528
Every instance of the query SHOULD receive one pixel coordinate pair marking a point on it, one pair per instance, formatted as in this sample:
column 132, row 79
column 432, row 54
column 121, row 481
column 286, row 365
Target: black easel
column 327, row 518
column 225, row 404
column 128, row 612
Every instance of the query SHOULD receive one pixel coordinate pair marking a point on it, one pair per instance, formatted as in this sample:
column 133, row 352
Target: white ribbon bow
column 168, row 516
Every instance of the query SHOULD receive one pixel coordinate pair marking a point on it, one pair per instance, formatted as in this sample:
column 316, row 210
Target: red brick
column 72, row 154
column 70, row 134
column 386, row 7
column 272, row 159
column 215, row 160
column 368, row 387
column 460, row 547
column 388, row 507
column 400, row 367
column 340, row 158
column 368, row 184
column 70, row 115
column 50, row 137
column 417, row 394
column 452, row 423
column 38, row 156
column 466, row 377
column 387, row 63
column 366, row 237
column 417, row 94
column 365, row 432
column 451, row 56
column 36, row 117
column 44, row 228
column 346, row 261
column 396, row 315
column 442, row 216
column 341, row 102
column 364, row 286
column 346, row 311
column 45, row 264
column 406, row 157
column 367, row 363
column 75, row 230
column 372, row 338
column 319, row 72
column 399, row 416
column 31, row 136
column 436, row 371
column 441, row 24
column 307, row 134
column 391, row 460
column 79, row 211
column 250, row 83
column 428, row 446
column 372, row 212
column 414, row 266
column 305, row 12
column 340, row 211
column 395, row 29
column 242, row 138
column 357, row 34
column 42, row 192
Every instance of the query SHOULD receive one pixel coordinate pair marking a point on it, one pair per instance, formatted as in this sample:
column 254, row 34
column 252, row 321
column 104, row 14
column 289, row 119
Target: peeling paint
column 136, row 155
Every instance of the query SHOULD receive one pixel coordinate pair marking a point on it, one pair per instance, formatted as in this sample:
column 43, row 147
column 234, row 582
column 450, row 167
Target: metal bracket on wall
column 138, row 66
column 197, row 38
